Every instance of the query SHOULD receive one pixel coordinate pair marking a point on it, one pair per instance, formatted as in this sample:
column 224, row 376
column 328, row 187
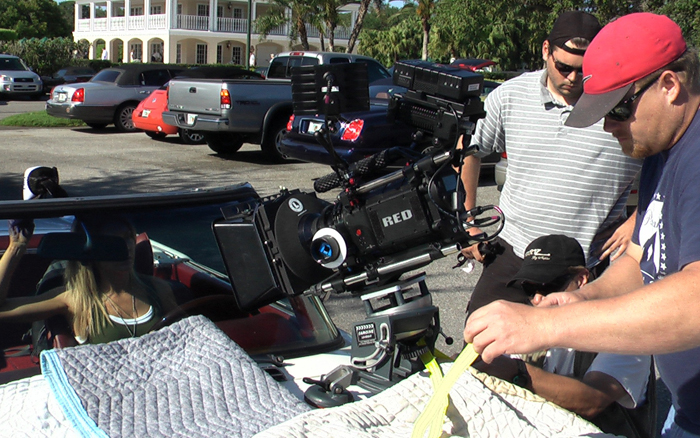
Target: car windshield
column 11, row 64
column 185, row 252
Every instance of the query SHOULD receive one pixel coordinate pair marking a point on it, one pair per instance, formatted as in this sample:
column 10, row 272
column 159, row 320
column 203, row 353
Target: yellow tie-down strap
column 433, row 415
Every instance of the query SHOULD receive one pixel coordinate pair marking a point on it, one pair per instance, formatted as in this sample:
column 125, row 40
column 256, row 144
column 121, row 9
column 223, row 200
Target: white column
column 173, row 14
column 92, row 15
column 212, row 16
column 146, row 12
column 166, row 49
column 109, row 15
column 76, row 7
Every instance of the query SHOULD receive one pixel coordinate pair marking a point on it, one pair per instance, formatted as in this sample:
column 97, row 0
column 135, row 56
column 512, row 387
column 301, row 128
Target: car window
column 154, row 78
column 11, row 64
column 61, row 72
column 375, row 70
column 106, row 76
column 278, row 67
column 339, row 61
column 83, row 71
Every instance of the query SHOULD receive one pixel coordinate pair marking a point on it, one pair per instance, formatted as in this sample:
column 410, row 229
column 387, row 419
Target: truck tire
column 122, row 118
column 272, row 139
column 223, row 143
column 190, row 137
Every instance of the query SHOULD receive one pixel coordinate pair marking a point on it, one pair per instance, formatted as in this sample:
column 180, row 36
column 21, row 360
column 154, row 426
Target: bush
column 7, row 35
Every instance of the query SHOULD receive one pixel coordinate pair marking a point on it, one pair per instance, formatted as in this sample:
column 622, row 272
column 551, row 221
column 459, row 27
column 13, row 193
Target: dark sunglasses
column 566, row 69
column 557, row 285
column 623, row 110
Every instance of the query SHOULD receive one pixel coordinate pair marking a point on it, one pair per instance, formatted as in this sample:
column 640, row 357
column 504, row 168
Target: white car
column 16, row 79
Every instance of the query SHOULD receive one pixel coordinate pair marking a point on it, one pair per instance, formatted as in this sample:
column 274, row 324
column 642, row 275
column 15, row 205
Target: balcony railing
column 187, row 22
column 236, row 25
column 192, row 22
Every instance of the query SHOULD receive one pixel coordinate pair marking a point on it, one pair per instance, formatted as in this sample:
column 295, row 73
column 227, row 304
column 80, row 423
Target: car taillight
column 289, row 123
column 504, row 155
column 353, row 130
column 167, row 92
column 79, row 95
column 225, row 99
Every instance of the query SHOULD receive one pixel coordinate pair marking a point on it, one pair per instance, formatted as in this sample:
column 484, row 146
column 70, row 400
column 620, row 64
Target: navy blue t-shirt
column 668, row 230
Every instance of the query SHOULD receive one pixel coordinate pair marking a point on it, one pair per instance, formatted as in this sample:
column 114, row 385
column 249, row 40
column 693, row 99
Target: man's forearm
column 470, row 179
column 573, row 394
column 621, row 277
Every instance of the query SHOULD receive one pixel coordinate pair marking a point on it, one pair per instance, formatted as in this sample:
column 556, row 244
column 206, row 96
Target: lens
column 324, row 250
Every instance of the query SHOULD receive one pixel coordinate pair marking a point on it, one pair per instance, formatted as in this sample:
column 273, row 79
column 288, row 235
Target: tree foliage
column 46, row 55
column 34, row 18
column 510, row 32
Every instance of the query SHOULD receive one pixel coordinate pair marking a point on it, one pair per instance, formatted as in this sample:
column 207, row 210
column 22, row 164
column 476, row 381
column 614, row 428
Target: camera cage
column 377, row 230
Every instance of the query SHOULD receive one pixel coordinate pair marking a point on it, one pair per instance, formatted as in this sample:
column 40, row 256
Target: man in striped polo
column 560, row 180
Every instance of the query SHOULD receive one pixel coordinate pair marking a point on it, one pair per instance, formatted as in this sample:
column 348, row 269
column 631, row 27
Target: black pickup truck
column 233, row 112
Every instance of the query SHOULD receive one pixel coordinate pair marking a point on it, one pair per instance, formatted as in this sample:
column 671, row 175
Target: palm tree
column 424, row 11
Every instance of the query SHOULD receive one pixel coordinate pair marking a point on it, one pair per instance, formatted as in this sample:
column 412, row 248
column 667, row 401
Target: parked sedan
column 111, row 96
column 148, row 115
column 67, row 75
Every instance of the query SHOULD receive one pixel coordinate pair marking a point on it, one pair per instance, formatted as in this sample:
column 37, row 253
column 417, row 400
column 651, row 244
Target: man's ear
column 582, row 277
column 671, row 85
column 545, row 50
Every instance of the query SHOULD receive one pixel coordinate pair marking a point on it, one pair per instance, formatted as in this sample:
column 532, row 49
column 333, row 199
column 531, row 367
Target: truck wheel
column 156, row 135
column 191, row 137
column 223, row 143
column 96, row 125
column 122, row 118
column 273, row 137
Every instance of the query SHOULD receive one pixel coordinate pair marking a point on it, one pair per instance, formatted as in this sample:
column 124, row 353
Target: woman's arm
column 37, row 307
column 19, row 232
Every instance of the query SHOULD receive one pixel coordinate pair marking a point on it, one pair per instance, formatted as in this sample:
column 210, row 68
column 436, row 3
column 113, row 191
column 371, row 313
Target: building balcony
column 187, row 22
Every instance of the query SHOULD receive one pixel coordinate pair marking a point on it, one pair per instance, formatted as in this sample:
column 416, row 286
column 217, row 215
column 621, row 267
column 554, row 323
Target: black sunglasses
column 623, row 110
column 532, row 288
column 566, row 69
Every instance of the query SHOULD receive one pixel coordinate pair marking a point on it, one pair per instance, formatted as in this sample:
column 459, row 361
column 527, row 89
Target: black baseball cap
column 573, row 24
column 548, row 258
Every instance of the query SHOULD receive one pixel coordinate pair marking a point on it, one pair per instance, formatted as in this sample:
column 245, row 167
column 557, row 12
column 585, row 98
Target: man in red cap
column 643, row 80
column 560, row 180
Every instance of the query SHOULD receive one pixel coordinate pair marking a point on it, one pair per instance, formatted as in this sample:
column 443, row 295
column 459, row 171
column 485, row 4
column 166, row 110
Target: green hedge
column 7, row 35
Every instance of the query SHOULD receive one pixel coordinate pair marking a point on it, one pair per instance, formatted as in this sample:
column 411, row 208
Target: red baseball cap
column 624, row 51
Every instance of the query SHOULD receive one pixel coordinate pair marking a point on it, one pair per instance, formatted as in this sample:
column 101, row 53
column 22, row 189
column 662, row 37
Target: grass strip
column 39, row 119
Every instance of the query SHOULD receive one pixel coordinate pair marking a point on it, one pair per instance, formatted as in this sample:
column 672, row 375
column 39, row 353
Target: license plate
column 313, row 127
column 191, row 118
column 145, row 113
column 61, row 97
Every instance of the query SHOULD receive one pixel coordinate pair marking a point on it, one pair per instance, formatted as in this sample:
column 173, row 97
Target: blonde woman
column 103, row 301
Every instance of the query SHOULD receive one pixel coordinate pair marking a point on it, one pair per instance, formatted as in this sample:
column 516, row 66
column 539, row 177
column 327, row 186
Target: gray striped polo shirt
column 560, row 180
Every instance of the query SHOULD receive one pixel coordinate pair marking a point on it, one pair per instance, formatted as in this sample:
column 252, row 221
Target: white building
column 184, row 31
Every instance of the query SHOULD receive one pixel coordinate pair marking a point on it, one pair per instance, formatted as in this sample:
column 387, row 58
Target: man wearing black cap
column 560, row 180
column 607, row 389
column 645, row 82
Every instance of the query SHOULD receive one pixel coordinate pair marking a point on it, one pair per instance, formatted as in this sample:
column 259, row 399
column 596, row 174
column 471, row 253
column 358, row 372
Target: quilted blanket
column 187, row 380
column 480, row 406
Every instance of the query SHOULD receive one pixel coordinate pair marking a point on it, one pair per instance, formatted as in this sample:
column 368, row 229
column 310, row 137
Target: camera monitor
column 330, row 89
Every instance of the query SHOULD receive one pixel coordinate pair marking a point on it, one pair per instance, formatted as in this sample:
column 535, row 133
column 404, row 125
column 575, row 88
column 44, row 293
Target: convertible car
column 177, row 242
